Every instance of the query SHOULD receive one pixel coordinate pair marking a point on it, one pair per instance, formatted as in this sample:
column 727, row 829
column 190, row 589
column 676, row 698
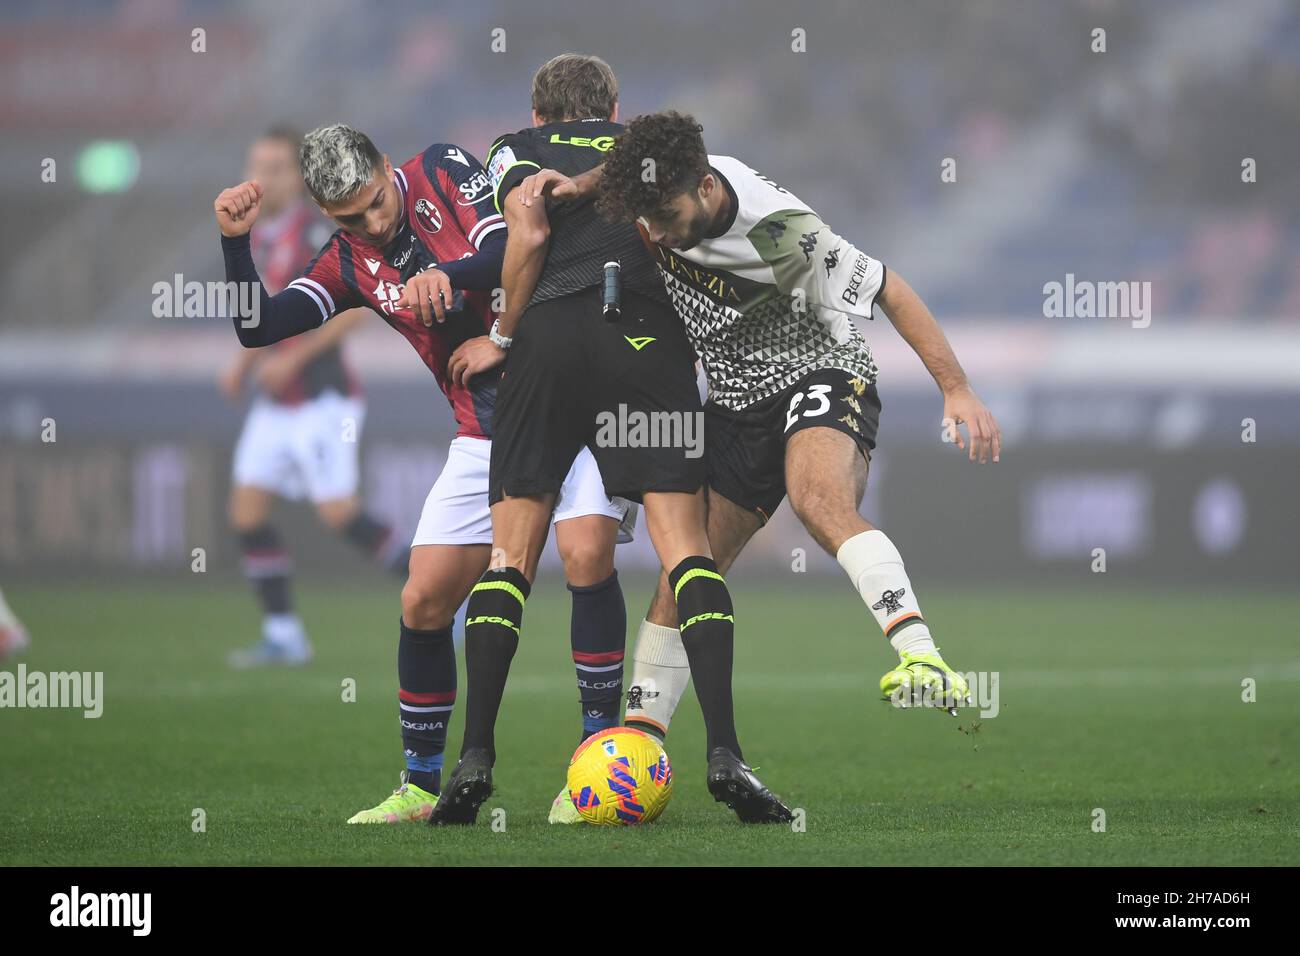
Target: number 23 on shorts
column 814, row 393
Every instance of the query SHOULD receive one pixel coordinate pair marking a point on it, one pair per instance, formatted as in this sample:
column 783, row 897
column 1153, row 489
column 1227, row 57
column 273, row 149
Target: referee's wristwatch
column 499, row 340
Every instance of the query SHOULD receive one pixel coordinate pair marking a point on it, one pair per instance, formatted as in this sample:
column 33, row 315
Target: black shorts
column 624, row 389
column 746, row 448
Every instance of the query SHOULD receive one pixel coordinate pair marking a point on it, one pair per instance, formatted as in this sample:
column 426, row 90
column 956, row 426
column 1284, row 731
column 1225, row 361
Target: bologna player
column 767, row 292
column 302, row 433
column 421, row 245
column 567, row 365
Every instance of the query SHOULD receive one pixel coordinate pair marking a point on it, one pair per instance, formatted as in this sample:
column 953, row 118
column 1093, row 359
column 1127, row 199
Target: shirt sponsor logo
column 713, row 283
column 850, row 295
column 476, row 190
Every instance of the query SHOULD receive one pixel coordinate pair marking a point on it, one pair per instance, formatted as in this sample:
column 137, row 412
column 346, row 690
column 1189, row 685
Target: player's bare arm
column 233, row 376
column 528, row 231
column 550, row 183
column 961, row 405
column 527, row 234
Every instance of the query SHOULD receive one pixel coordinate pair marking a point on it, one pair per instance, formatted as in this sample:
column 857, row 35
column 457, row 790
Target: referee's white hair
column 336, row 162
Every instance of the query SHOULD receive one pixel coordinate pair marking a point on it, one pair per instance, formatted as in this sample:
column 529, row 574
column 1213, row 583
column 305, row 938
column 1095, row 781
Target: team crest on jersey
column 427, row 215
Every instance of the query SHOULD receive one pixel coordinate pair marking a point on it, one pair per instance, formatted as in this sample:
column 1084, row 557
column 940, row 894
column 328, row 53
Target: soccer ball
column 618, row 777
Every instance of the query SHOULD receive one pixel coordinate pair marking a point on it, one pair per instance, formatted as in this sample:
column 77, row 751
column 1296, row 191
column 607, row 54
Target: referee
column 566, row 364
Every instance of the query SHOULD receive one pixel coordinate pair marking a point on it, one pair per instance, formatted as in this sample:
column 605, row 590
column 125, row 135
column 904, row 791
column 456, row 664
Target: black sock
column 267, row 566
column 376, row 539
column 708, row 633
column 426, row 696
column 597, row 632
column 493, row 618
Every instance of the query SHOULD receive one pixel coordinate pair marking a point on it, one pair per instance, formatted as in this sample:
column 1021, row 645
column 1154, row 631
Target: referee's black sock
column 493, row 618
column 708, row 634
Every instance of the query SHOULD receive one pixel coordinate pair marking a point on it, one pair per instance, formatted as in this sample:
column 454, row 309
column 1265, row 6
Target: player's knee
column 336, row 515
column 424, row 607
column 823, row 513
column 243, row 518
column 587, row 563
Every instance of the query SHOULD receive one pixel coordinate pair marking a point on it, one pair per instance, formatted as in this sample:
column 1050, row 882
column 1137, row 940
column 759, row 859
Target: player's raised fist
column 237, row 208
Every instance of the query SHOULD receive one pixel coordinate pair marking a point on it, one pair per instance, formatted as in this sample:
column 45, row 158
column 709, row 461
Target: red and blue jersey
column 282, row 247
column 448, row 211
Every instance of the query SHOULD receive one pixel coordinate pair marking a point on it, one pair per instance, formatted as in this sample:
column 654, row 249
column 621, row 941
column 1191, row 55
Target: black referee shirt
column 582, row 241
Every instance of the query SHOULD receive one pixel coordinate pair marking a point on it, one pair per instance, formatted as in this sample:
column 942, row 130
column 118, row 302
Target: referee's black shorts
column 573, row 379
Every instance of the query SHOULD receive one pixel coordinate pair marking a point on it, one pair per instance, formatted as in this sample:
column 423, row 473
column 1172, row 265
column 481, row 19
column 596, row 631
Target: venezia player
column 421, row 245
column 767, row 292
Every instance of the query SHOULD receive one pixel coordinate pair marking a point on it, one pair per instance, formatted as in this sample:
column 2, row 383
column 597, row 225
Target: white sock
column 285, row 631
column 876, row 569
column 660, row 674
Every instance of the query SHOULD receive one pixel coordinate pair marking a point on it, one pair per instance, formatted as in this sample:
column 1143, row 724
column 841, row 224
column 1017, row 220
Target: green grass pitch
column 1130, row 702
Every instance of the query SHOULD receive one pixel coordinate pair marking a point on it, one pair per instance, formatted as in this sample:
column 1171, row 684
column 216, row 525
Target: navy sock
column 708, row 634
column 492, row 623
column 266, row 564
column 426, row 696
column 597, row 633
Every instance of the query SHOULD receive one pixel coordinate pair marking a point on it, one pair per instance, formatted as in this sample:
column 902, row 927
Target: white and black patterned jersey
column 772, row 298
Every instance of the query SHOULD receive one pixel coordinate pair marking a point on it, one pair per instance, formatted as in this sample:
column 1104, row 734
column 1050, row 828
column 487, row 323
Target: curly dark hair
column 631, row 187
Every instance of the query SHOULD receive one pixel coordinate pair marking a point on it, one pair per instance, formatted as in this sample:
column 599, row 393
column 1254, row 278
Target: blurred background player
column 421, row 245
column 302, row 434
column 13, row 636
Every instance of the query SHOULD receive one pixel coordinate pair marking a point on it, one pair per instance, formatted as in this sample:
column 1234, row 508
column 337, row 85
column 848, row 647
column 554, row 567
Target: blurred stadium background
column 1115, row 166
